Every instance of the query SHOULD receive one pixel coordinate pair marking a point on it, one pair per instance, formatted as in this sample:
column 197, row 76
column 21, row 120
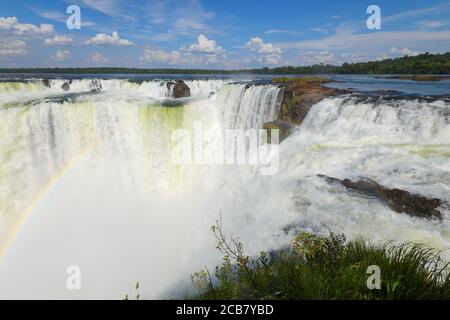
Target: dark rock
column 298, row 97
column 65, row 86
column 95, row 85
column 284, row 128
column 46, row 83
column 400, row 201
column 179, row 89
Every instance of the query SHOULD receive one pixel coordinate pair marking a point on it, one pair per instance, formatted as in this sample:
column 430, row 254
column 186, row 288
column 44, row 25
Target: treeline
column 421, row 64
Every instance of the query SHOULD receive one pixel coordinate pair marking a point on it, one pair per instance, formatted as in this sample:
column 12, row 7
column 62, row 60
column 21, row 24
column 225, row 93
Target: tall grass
column 318, row 267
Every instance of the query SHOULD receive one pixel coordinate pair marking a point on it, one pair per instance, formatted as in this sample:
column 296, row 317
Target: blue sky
column 217, row 33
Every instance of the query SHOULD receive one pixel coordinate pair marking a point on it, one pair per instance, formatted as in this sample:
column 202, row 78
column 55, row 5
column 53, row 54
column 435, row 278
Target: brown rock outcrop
column 398, row 200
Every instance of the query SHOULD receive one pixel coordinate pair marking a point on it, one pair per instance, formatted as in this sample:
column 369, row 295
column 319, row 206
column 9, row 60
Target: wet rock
column 65, row 86
column 300, row 94
column 400, row 201
column 46, row 83
column 95, row 86
column 284, row 128
column 179, row 89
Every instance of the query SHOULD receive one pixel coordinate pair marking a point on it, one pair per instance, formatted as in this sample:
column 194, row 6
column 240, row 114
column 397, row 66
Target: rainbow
column 26, row 212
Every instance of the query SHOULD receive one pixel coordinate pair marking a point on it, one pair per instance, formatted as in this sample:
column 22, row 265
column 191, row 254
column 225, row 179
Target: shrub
column 324, row 267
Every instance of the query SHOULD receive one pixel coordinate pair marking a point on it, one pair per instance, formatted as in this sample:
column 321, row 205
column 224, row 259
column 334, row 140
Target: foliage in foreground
column 317, row 267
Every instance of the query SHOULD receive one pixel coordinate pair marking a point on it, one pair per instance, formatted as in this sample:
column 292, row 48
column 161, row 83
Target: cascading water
column 98, row 165
column 243, row 106
column 91, row 182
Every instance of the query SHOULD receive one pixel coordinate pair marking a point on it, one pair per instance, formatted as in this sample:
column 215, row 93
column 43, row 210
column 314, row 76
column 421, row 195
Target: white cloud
column 281, row 31
column 60, row 17
column 158, row 55
column 403, row 51
column 110, row 40
column 376, row 41
column 109, row 7
column 98, row 58
column 179, row 17
column 443, row 7
column 12, row 48
column 257, row 44
column 312, row 57
column 317, row 57
column 267, row 52
column 319, row 30
column 203, row 52
column 204, row 45
column 431, row 24
column 12, row 26
column 58, row 40
column 61, row 55
column 182, row 24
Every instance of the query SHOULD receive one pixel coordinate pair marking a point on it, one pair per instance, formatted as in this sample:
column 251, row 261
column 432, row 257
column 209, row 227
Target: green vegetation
column 419, row 77
column 291, row 106
column 302, row 80
column 421, row 64
column 138, row 295
column 316, row 267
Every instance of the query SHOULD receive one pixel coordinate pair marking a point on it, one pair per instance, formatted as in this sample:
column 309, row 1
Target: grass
column 318, row 267
column 302, row 80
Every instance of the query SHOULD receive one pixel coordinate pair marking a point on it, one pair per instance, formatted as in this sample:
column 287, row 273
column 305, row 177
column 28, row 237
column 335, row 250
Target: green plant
column 324, row 267
column 138, row 295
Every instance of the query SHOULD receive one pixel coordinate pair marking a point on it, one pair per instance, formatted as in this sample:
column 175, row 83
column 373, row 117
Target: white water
column 123, row 212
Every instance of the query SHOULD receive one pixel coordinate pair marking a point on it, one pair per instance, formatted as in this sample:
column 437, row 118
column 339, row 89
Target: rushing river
column 88, row 179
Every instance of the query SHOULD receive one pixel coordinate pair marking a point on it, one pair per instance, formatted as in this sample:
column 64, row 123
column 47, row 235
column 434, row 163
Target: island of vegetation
column 426, row 63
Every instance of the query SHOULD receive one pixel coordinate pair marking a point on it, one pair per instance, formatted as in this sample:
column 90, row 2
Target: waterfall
column 205, row 88
column 383, row 121
column 149, row 88
column 243, row 106
column 87, row 178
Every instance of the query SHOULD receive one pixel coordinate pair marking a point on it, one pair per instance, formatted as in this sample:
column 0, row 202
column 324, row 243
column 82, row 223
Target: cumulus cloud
column 257, row 44
column 110, row 40
column 61, row 55
column 307, row 58
column 58, row 40
column 12, row 26
column 204, row 45
column 12, row 48
column 267, row 52
column 317, row 57
column 152, row 54
column 204, row 51
column 403, row 51
column 98, row 58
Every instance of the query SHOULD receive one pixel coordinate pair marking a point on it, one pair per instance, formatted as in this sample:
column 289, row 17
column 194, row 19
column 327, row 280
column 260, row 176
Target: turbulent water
column 88, row 179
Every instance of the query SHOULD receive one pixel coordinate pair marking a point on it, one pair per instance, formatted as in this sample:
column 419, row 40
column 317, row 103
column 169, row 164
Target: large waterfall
column 78, row 165
column 87, row 179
